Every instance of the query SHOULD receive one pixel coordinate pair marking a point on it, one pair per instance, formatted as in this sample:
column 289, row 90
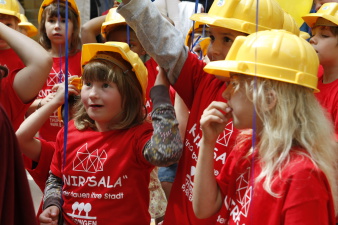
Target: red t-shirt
column 40, row 172
column 105, row 176
column 52, row 126
column 198, row 89
column 11, row 102
column 328, row 98
column 11, row 60
column 305, row 194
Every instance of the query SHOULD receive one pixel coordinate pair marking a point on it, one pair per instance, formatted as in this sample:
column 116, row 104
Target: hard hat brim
column 225, row 67
column 71, row 3
column 90, row 50
column 229, row 23
column 312, row 18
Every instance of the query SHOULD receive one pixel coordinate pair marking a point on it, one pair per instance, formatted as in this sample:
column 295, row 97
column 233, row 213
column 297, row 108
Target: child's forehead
column 6, row 17
column 321, row 28
column 225, row 31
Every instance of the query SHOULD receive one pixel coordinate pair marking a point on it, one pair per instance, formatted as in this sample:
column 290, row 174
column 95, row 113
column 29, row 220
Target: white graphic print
column 90, row 162
column 240, row 206
column 78, row 208
column 223, row 138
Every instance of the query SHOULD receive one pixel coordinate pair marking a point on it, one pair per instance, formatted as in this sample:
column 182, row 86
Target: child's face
column 326, row 45
column 11, row 22
column 56, row 30
column 120, row 35
column 103, row 103
column 237, row 99
column 221, row 41
column 319, row 3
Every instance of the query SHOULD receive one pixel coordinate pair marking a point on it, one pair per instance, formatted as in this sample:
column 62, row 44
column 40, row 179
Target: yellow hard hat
column 296, row 9
column 71, row 4
column 30, row 28
column 271, row 54
column 328, row 11
column 290, row 24
column 90, row 50
column 240, row 15
column 10, row 7
column 113, row 19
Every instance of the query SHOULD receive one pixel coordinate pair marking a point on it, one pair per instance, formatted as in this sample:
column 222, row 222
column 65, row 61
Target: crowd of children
column 240, row 114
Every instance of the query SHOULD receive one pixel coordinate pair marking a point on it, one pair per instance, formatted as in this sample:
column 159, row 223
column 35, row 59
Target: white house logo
column 90, row 162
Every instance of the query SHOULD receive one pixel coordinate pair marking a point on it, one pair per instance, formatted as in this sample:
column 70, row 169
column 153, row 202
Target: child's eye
column 226, row 39
column 105, row 85
column 87, row 83
column 212, row 38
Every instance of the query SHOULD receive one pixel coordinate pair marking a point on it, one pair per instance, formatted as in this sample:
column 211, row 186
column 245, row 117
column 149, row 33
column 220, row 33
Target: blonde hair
column 53, row 10
column 133, row 109
column 307, row 127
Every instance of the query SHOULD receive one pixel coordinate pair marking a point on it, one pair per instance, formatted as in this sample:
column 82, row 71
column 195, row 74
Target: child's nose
column 215, row 51
column 93, row 93
column 313, row 40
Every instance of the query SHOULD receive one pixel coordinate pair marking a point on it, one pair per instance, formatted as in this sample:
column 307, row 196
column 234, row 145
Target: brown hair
column 53, row 10
column 133, row 110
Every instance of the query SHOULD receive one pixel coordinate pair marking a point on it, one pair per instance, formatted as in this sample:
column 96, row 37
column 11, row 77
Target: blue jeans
column 167, row 174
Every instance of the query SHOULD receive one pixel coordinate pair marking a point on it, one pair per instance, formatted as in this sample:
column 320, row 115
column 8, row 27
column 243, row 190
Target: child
column 113, row 27
column 284, row 172
column 324, row 25
column 226, row 20
column 52, row 28
column 111, row 113
column 26, row 27
column 10, row 15
column 25, row 78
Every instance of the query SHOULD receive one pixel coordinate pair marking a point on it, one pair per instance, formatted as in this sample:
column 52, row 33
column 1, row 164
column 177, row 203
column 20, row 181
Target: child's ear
column 271, row 99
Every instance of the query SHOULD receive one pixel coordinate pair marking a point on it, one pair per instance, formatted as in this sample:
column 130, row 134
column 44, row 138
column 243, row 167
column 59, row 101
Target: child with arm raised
column 125, row 146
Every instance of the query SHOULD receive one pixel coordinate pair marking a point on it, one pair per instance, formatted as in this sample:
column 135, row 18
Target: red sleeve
column 57, row 160
column 41, row 172
column 190, row 78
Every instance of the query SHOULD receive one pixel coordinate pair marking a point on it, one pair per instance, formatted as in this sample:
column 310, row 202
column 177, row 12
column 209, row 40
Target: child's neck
column 330, row 74
column 57, row 51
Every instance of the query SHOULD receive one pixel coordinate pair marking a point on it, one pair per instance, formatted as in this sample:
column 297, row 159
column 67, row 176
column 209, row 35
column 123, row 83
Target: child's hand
column 214, row 119
column 50, row 216
column 161, row 78
column 59, row 91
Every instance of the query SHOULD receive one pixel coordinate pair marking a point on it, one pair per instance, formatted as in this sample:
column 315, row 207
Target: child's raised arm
column 28, row 81
column 91, row 29
column 29, row 145
column 207, row 198
column 160, row 39
column 165, row 146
